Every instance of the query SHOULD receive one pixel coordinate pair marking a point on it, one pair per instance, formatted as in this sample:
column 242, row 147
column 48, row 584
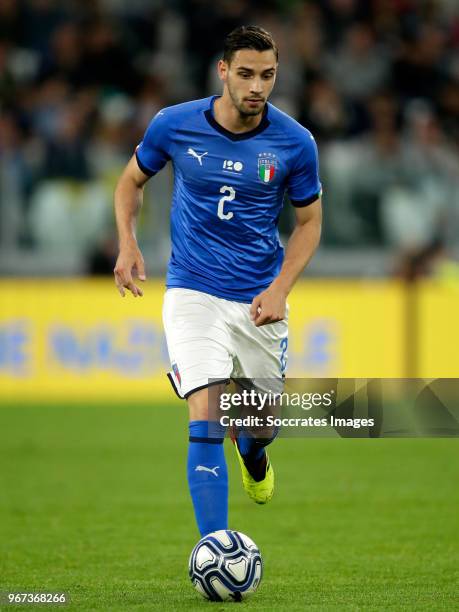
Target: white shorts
column 210, row 339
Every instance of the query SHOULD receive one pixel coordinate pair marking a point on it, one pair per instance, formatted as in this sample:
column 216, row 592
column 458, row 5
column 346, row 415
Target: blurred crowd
column 376, row 81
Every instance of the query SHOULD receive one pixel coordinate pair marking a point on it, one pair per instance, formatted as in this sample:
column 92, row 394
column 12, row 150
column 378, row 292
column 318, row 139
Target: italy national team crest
column 267, row 164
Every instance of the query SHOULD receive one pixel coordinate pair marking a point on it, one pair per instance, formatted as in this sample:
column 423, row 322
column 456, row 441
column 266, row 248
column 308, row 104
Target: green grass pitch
column 94, row 502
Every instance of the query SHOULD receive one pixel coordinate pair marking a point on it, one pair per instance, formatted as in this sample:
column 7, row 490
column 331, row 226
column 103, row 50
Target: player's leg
column 206, row 467
column 252, row 441
column 256, row 468
column 262, row 358
column 197, row 340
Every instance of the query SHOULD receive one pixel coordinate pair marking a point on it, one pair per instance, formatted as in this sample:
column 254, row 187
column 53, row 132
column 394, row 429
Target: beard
column 243, row 106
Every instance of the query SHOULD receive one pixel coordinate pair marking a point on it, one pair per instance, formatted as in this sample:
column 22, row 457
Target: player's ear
column 222, row 69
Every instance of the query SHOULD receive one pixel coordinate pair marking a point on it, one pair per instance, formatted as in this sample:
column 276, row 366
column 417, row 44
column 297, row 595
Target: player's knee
column 203, row 405
column 198, row 406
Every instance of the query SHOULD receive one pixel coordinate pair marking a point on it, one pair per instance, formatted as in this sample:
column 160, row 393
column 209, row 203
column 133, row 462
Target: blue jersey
column 228, row 194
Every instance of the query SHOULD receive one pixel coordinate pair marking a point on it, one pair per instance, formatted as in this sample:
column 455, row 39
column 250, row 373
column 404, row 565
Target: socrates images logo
column 267, row 164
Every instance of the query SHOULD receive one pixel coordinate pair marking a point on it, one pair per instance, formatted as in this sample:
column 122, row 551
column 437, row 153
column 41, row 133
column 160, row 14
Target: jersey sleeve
column 153, row 152
column 303, row 184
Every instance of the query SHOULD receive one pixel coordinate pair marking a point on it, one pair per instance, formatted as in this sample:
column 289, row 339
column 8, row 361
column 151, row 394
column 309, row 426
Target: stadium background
column 377, row 82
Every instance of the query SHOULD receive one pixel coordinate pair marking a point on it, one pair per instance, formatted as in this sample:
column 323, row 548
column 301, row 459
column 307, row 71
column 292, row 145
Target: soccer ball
column 225, row 565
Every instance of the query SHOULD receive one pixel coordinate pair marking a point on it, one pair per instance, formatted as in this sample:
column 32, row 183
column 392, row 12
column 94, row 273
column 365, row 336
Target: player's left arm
column 269, row 306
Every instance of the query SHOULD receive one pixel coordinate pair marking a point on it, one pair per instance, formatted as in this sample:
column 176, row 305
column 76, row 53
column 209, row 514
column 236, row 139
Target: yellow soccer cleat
column 262, row 491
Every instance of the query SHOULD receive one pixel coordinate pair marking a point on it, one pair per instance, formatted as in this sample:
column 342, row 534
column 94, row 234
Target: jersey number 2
column 226, row 198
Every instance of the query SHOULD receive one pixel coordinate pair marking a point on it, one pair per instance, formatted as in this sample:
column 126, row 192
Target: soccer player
column 225, row 312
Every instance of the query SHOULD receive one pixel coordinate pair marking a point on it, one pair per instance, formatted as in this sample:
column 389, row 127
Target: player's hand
column 128, row 265
column 268, row 307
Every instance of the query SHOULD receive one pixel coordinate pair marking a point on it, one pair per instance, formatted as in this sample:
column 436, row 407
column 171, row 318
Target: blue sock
column 208, row 476
column 249, row 447
column 253, row 452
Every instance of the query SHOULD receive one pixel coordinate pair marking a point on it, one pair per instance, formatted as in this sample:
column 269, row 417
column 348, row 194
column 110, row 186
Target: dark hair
column 248, row 37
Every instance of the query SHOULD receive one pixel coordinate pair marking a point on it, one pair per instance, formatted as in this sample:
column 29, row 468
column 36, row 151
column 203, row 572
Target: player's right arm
column 128, row 202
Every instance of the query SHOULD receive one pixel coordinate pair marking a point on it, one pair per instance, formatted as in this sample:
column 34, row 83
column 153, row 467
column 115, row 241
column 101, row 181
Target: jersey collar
column 261, row 127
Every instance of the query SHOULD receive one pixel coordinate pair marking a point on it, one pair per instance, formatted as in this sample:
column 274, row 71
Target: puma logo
column 203, row 468
column 197, row 155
